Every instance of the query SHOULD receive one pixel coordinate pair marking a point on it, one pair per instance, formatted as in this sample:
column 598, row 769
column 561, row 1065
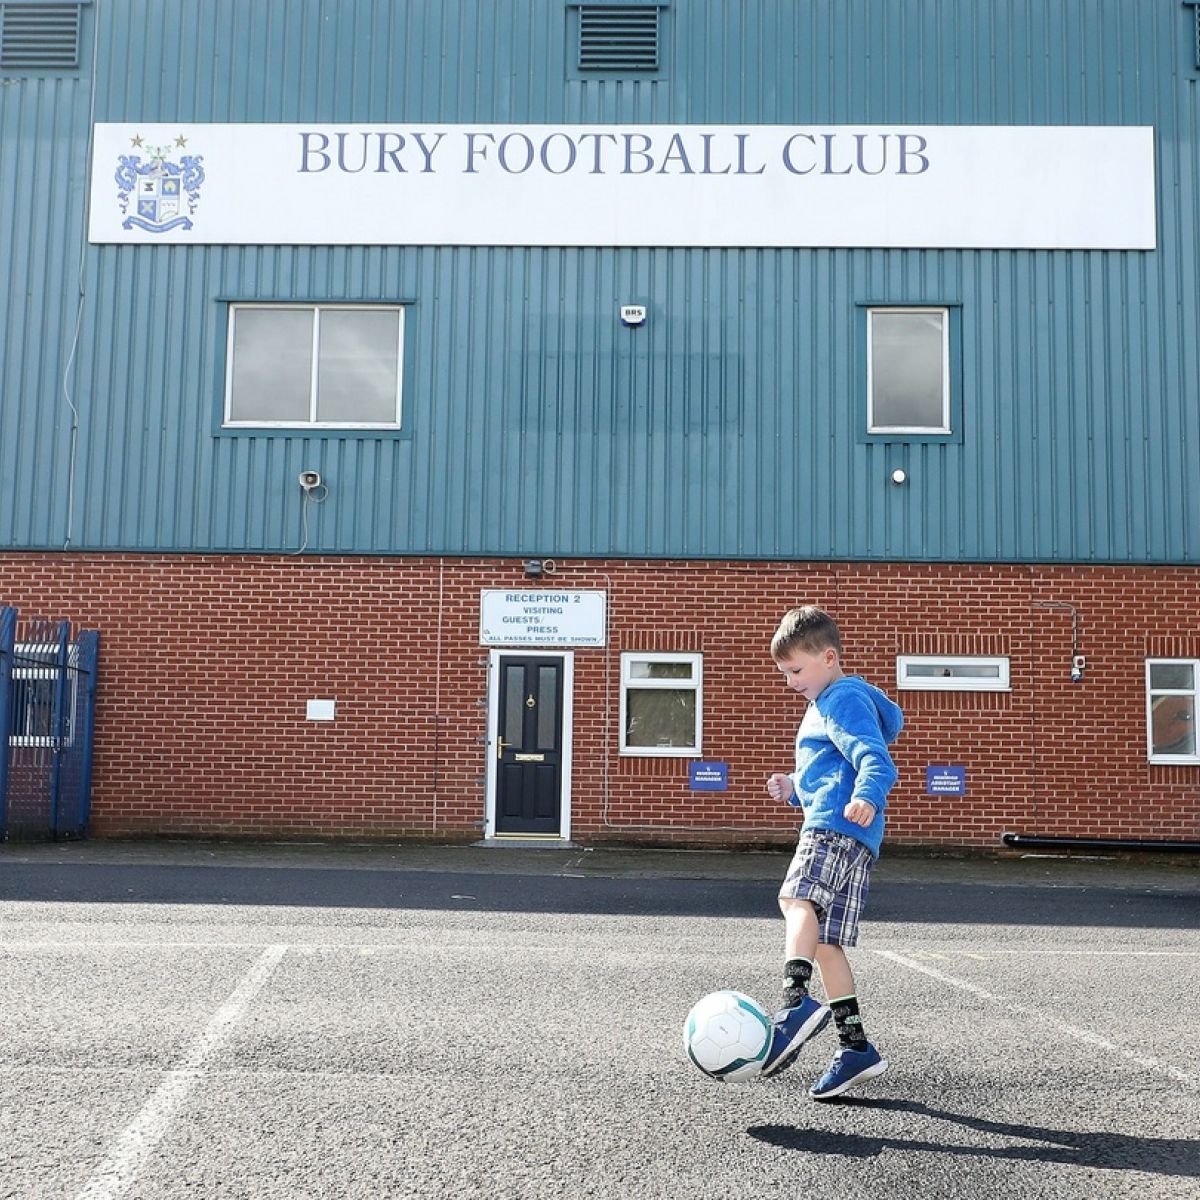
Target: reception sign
column 542, row 618
column 1015, row 187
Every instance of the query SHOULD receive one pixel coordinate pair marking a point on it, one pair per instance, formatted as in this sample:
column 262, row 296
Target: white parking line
column 118, row 1171
column 94, row 946
column 989, row 955
column 1082, row 1035
column 90, row 944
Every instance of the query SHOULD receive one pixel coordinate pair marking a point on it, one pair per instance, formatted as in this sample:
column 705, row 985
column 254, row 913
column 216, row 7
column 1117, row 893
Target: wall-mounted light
column 899, row 475
column 534, row 567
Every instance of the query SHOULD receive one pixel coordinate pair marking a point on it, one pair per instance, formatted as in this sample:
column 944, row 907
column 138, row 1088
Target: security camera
column 310, row 480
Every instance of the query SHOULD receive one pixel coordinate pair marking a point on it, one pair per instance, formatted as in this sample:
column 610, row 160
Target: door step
column 528, row 841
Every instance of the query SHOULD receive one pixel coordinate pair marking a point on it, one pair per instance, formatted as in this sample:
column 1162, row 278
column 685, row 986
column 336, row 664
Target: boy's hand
column 860, row 812
column 779, row 787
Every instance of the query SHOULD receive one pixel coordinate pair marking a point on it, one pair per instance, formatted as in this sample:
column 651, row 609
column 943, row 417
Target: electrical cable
column 310, row 497
column 67, row 382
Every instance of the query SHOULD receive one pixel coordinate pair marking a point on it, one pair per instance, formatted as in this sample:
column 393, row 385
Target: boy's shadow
column 1114, row 1151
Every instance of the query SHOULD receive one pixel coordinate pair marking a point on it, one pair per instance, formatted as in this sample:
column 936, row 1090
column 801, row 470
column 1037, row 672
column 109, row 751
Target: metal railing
column 47, row 723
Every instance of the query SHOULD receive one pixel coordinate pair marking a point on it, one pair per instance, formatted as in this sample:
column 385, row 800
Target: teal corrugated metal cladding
column 534, row 422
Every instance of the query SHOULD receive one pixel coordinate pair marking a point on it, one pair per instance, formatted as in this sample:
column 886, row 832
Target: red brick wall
column 207, row 661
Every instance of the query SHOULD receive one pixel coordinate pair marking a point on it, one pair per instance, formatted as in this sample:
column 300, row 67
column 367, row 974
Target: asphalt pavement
column 206, row 1020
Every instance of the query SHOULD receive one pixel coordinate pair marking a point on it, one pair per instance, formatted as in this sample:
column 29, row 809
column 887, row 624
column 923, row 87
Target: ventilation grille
column 37, row 36
column 618, row 37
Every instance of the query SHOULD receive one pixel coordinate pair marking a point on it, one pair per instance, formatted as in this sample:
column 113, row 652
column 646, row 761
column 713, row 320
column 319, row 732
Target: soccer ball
column 727, row 1035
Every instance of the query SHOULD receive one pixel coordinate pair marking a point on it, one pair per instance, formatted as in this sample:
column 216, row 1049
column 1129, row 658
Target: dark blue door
column 529, row 745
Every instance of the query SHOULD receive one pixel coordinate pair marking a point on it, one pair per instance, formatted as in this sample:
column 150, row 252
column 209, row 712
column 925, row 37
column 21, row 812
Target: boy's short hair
column 808, row 628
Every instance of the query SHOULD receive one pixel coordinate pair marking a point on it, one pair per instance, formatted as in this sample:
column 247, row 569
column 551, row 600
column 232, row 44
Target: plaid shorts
column 834, row 872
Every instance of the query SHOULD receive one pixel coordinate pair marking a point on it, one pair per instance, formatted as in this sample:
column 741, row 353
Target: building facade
column 436, row 406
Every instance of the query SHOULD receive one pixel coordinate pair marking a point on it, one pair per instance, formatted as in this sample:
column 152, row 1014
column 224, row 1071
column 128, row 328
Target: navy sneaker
column 791, row 1028
column 848, row 1069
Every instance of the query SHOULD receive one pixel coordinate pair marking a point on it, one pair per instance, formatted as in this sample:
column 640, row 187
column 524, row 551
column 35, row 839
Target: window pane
column 272, row 364
column 547, row 725
column 33, row 707
column 357, row 366
column 639, row 669
column 665, row 717
column 907, row 370
column 1173, row 725
column 1170, row 675
column 514, row 707
column 952, row 671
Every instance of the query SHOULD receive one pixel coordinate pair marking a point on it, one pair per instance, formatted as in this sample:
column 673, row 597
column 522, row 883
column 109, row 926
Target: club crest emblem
column 161, row 190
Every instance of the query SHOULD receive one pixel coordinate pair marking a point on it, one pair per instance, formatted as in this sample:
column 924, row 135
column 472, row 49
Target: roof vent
column 39, row 36
column 618, row 37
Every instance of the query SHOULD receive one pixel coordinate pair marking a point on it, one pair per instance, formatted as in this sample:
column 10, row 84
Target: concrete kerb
column 896, row 865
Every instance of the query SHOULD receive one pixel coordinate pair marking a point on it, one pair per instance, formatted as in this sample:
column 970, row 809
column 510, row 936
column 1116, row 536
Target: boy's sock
column 849, row 1023
column 796, row 974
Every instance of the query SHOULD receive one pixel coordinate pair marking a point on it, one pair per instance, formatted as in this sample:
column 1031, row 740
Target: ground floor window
column 953, row 673
column 661, row 703
column 35, row 683
column 1172, row 698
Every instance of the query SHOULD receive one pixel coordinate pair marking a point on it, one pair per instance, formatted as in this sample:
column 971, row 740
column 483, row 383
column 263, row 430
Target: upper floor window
column 908, row 370
column 301, row 366
column 1172, row 700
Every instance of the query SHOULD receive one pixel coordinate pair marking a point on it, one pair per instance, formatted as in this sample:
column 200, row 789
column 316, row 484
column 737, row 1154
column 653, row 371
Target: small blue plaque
column 945, row 781
column 708, row 776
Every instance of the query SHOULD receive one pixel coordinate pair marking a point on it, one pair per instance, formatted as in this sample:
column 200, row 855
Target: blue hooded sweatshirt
column 842, row 755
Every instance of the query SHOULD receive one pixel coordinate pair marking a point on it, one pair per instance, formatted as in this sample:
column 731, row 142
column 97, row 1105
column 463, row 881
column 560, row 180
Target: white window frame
column 313, row 423
column 890, row 309
column 952, row 683
column 696, row 661
column 1151, row 696
column 23, row 672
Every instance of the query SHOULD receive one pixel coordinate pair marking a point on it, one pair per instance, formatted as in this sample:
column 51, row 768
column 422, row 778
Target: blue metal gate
column 47, row 722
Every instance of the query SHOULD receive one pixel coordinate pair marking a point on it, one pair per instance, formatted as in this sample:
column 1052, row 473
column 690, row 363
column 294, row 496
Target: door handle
column 500, row 745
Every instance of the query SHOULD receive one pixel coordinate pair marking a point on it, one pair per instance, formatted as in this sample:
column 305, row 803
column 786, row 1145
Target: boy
column 842, row 777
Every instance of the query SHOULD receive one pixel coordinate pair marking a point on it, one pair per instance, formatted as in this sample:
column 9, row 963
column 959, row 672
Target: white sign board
column 938, row 186
column 542, row 617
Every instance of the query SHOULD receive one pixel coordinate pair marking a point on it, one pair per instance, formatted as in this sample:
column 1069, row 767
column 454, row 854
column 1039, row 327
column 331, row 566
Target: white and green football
column 727, row 1035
